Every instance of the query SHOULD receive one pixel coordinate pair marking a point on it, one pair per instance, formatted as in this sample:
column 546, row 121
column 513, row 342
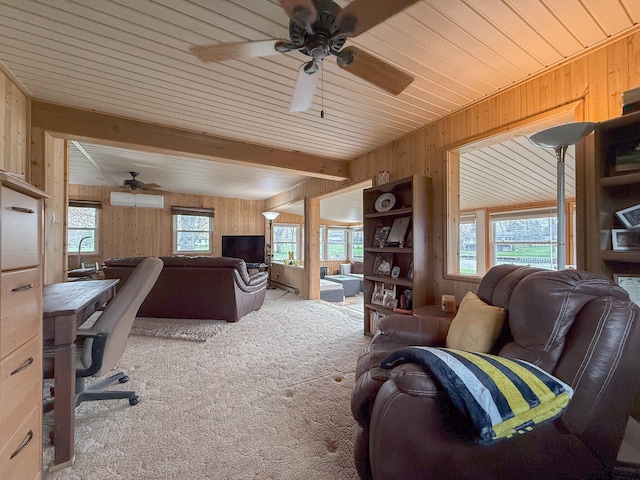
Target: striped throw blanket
column 500, row 396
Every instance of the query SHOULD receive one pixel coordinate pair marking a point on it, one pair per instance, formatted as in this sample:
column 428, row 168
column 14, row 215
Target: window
column 337, row 243
column 285, row 240
column 323, row 231
column 357, row 244
column 192, row 230
column 524, row 238
column 82, row 221
column 501, row 204
column 468, row 245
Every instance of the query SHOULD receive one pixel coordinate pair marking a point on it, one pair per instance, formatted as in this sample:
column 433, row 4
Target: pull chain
column 322, row 93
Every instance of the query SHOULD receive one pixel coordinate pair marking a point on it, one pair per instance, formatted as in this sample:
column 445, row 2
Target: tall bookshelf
column 617, row 187
column 413, row 200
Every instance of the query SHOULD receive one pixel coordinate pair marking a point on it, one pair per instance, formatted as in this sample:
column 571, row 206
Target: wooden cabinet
column 20, row 329
column 411, row 199
column 616, row 187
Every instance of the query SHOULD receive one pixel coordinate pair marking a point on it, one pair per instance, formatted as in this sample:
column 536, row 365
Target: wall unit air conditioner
column 122, row 199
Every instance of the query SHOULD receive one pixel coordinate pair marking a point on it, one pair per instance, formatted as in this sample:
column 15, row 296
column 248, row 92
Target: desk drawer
column 20, row 384
column 20, row 230
column 21, row 311
column 25, row 446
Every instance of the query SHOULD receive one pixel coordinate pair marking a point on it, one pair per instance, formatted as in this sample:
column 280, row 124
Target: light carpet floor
column 264, row 398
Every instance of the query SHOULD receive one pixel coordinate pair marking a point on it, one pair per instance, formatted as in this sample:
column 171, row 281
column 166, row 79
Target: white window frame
column 295, row 241
column 88, row 247
column 345, row 244
column 177, row 231
column 352, row 232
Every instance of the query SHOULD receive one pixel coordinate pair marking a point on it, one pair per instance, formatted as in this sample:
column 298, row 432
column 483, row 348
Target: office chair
column 100, row 347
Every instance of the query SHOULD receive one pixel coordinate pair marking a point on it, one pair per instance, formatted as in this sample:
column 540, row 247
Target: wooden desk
column 65, row 307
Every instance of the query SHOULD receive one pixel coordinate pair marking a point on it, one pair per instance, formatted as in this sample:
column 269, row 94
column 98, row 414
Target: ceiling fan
column 319, row 28
column 135, row 184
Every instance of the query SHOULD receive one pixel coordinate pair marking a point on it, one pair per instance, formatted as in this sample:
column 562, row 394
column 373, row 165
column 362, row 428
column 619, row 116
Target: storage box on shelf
column 409, row 198
column 20, row 329
column 616, row 152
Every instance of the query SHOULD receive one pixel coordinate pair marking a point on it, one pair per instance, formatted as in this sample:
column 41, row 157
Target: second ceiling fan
column 319, row 28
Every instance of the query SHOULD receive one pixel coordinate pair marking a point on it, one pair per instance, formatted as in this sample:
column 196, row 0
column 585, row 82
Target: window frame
column 185, row 213
column 296, row 242
column 95, row 206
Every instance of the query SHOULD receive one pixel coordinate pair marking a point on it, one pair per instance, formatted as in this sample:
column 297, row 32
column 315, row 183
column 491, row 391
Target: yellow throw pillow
column 476, row 325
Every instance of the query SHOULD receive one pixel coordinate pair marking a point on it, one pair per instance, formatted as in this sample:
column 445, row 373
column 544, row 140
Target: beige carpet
column 264, row 398
column 188, row 329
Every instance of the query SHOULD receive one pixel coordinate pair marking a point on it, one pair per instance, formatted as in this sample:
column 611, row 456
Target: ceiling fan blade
column 305, row 88
column 304, row 10
column 361, row 15
column 240, row 50
column 373, row 70
column 151, row 186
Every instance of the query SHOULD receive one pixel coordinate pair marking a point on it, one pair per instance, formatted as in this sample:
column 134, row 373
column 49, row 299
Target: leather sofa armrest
column 257, row 278
column 412, row 330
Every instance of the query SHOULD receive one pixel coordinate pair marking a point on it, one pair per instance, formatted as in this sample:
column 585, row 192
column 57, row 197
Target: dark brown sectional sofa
column 215, row 288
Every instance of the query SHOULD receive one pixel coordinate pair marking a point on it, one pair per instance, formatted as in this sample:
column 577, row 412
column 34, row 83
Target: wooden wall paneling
column 129, row 231
column 634, row 60
column 4, row 121
column 311, row 285
column 617, row 75
column 597, row 98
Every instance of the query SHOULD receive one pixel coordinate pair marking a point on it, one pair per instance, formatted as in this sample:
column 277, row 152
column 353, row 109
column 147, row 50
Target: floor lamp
column 559, row 138
column 271, row 216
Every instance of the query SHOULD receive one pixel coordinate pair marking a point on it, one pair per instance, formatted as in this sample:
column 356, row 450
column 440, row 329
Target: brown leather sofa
column 580, row 327
column 215, row 288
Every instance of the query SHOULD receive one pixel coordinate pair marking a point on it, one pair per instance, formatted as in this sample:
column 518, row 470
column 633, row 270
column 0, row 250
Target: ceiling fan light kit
column 319, row 28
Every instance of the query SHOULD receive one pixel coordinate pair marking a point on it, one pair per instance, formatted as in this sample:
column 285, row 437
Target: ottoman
column 350, row 285
column 331, row 291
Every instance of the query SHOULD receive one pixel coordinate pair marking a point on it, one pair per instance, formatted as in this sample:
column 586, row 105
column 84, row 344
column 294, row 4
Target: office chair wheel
column 134, row 400
column 124, row 379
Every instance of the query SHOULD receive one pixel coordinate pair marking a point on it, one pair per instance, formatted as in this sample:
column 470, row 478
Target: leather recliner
column 580, row 327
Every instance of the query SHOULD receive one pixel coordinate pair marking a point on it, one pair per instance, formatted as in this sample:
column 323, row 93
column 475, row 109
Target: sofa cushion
column 476, row 325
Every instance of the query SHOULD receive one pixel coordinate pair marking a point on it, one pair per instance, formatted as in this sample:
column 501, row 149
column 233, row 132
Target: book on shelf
column 403, row 311
column 374, row 320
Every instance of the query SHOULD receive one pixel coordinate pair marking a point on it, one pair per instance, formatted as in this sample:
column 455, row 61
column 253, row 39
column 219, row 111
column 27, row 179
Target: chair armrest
column 412, row 330
column 99, row 341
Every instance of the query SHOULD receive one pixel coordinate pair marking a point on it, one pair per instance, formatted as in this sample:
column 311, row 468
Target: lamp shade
column 567, row 134
column 270, row 215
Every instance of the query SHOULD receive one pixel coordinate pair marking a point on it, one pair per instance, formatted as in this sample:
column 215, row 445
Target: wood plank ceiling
column 131, row 58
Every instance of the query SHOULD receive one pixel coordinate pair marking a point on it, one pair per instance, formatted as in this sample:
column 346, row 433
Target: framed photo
column 390, row 302
column 378, row 287
column 389, row 289
column 627, row 157
column 631, row 283
column 625, row 239
column 409, row 241
column 395, row 272
column 398, row 231
column 380, row 236
column 377, row 298
column 630, row 217
column 383, row 264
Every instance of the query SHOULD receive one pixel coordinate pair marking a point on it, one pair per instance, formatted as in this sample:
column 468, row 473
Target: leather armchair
column 578, row 326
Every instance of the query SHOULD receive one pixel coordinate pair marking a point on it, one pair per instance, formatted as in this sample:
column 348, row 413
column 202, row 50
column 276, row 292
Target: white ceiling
column 131, row 58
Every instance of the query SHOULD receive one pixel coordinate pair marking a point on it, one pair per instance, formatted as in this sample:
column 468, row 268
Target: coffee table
column 350, row 285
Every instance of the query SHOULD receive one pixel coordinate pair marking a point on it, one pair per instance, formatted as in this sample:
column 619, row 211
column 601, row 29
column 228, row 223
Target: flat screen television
column 250, row 248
